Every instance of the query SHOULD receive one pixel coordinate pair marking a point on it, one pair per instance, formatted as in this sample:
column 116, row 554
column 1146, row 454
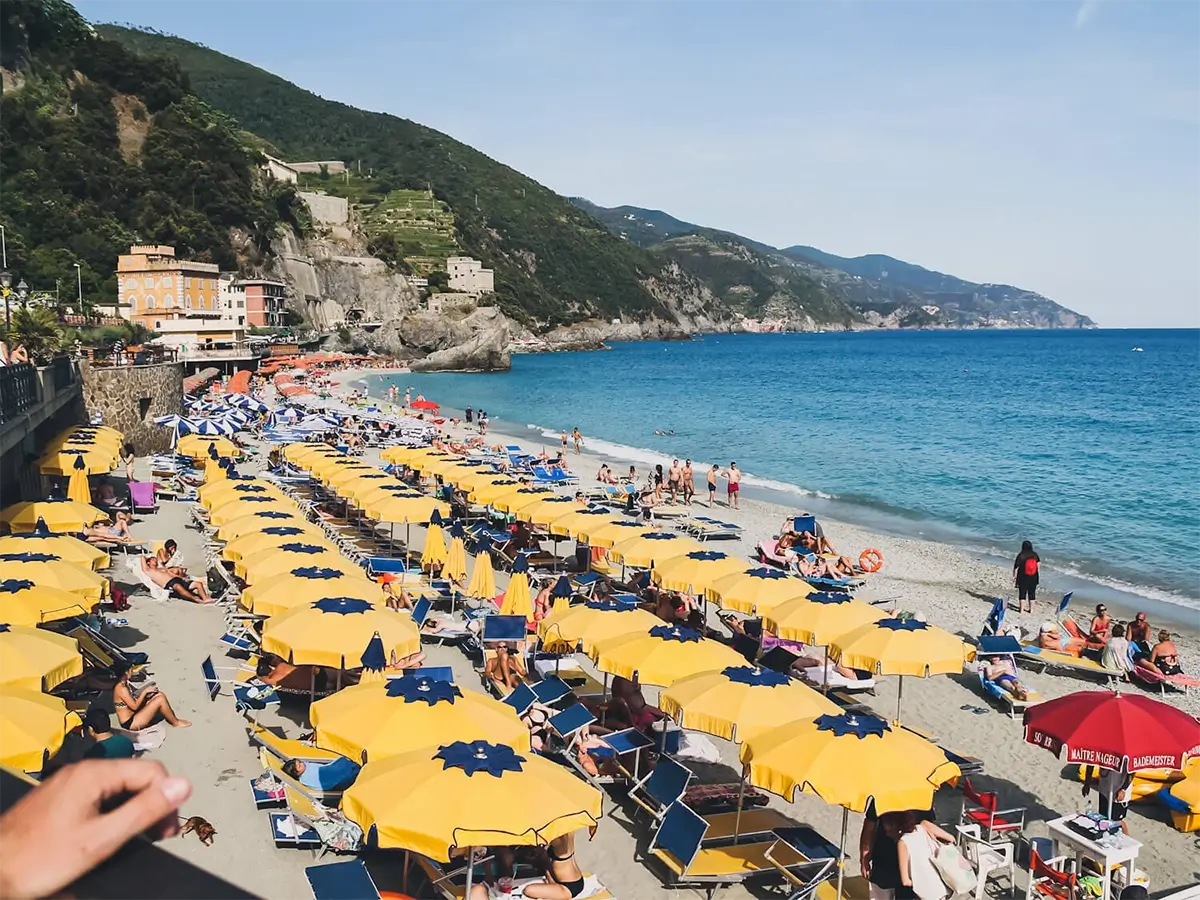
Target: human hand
column 69, row 824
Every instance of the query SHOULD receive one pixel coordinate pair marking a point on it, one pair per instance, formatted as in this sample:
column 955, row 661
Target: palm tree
column 37, row 329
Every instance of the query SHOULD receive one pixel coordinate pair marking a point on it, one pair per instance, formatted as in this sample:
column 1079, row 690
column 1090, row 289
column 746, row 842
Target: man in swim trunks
column 674, row 477
column 713, row 474
column 687, row 482
column 173, row 583
column 734, row 476
column 1001, row 671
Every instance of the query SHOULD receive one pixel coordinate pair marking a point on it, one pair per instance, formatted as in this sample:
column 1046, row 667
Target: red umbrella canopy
column 1115, row 731
column 424, row 404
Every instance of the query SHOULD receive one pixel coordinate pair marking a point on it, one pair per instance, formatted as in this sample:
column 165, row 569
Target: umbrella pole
column 392, row 539
column 470, row 871
column 825, row 672
column 899, row 697
column 842, row 851
column 312, row 691
column 737, row 820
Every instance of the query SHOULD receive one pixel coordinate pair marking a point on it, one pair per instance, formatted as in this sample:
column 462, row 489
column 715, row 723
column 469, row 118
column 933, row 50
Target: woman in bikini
column 565, row 879
column 116, row 533
column 141, row 710
column 504, row 670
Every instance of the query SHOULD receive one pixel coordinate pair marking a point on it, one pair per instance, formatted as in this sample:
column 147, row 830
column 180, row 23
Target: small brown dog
column 203, row 829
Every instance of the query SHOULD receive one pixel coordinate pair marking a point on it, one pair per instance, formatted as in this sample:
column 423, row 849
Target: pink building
column 264, row 301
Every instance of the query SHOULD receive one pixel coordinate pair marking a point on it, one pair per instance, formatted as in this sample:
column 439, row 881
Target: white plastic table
column 1123, row 852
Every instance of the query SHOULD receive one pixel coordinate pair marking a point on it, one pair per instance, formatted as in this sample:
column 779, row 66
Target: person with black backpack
column 1025, row 575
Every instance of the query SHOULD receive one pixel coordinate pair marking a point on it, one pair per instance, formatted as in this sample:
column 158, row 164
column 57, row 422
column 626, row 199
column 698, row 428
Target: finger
column 145, row 810
column 111, row 778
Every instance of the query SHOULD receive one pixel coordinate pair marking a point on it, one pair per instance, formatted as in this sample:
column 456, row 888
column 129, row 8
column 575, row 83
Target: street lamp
column 79, row 281
column 6, row 289
column 23, row 293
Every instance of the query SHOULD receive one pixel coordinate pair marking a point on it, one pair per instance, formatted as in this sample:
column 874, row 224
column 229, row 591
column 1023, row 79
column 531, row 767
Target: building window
column 169, row 301
column 167, row 281
column 133, row 302
column 149, row 301
column 187, row 281
column 149, row 282
column 187, row 301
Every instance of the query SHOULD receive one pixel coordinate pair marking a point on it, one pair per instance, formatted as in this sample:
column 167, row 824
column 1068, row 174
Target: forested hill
column 103, row 148
column 553, row 262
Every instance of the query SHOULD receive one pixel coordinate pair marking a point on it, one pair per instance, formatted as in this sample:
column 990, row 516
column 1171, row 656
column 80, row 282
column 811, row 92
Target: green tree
column 37, row 329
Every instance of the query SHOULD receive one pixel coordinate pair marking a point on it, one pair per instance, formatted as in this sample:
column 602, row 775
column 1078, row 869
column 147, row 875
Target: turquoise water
column 1069, row 438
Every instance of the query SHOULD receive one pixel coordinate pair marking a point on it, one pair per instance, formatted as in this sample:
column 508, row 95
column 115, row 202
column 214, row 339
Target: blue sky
column 1055, row 146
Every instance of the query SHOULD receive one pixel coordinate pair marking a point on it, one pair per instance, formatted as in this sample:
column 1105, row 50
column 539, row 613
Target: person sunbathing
column 408, row 661
column 116, row 533
column 1001, row 671
column 175, row 581
column 1051, row 638
column 278, row 672
column 629, row 706
column 543, row 603
column 331, row 776
column 1101, row 629
column 136, row 711
column 106, row 497
column 505, row 670
column 397, row 597
column 167, row 552
column 564, row 879
column 1164, row 658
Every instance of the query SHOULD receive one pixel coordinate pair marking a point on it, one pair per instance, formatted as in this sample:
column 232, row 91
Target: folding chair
column 981, row 808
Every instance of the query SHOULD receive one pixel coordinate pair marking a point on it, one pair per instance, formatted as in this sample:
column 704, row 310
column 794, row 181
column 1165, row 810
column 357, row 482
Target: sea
column 1085, row 442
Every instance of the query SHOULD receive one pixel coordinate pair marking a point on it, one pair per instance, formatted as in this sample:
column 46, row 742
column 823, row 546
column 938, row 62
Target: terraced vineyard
column 421, row 225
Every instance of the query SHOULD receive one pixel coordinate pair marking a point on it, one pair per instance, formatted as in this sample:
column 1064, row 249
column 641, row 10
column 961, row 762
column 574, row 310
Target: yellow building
column 153, row 286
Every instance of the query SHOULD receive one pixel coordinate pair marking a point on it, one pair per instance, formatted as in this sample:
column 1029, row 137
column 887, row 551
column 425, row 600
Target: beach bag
column 1031, row 567
column 954, row 869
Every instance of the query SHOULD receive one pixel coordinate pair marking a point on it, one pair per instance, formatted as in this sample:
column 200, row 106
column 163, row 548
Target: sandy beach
column 948, row 587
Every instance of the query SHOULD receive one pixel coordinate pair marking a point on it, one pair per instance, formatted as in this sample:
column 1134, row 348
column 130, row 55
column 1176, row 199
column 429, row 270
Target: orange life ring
column 870, row 560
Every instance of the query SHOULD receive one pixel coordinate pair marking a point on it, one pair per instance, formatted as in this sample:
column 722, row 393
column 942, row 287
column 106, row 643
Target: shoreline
column 951, row 586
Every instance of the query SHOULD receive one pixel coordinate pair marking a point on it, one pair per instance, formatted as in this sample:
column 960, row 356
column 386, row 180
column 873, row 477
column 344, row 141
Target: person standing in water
column 1025, row 575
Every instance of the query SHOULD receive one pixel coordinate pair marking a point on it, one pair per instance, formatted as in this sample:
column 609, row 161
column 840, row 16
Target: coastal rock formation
column 477, row 342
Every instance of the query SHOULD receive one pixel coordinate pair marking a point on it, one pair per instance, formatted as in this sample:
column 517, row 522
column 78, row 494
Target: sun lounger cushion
column 829, row 674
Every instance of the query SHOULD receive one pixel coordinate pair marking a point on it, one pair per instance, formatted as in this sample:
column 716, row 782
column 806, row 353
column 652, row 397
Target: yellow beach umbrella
column 818, row 618
column 306, row 585
column 96, row 460
column 848, row 760
column 32, row 728
column 237, row 490
column 404, row 510
column 326, row 466
column 544, row 512
column 258, row 519
column 197, row 446
column 591, row 623
column 47, row 569
column 335, row 631
column 71, row 549
column 488, row 492
column 469, row 479
column 293, row 555
column 253, row 543
column 483, row 579
column 433, row 554
column 609, row 534
column 455, row 568
column 77, row 485
column 214, row 472
column 244, row 506
column 98, row 432
column 662, row 655
column 366, row 485
column 59, row 515
column 370, row 722
column 522, row 496
column 301, row 452
column 580, row 520
column 37, row 660
column 422, row 462
column 399, row 455
column 517, row 601
column 22, row 602
column 652, row 548
column 346, row 474
column 756, row 590
column 695, row 571
column 738, row 702
column 432, row 801
column 901, row 647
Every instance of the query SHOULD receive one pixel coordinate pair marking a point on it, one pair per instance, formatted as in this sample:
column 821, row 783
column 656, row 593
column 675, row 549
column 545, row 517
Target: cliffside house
column 255, row 302
column 313, row 167
column 280, row 171
column 467, row 276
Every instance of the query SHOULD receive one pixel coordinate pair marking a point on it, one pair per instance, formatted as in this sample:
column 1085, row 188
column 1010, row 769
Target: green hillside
column 103, row 148
column 553, row 262
column 752, row 283
column 420, row 226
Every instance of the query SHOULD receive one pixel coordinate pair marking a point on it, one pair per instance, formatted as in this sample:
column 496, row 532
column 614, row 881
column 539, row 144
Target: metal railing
column 62, row 368
column 18, row 390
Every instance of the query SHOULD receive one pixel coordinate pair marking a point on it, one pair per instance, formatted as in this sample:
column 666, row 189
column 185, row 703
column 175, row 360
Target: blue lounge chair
column 347, row 880
column 995, row 617
column 552, row 475
column 433, row 673
column 384, row 565
column 678, row 845
column 551, row 690
column 288, row 830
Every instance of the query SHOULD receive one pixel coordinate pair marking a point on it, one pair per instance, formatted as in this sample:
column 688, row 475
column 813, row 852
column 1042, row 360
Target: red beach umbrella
column 424, row 404
column 1112, row 730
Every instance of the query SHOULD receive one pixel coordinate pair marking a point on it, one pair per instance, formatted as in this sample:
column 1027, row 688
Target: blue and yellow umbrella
column 336, row 630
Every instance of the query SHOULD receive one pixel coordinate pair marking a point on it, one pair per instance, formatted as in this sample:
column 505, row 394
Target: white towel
column 157, row 594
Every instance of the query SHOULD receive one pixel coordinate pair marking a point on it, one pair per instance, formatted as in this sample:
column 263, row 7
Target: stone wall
column 129, row 398
column 326, row 210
